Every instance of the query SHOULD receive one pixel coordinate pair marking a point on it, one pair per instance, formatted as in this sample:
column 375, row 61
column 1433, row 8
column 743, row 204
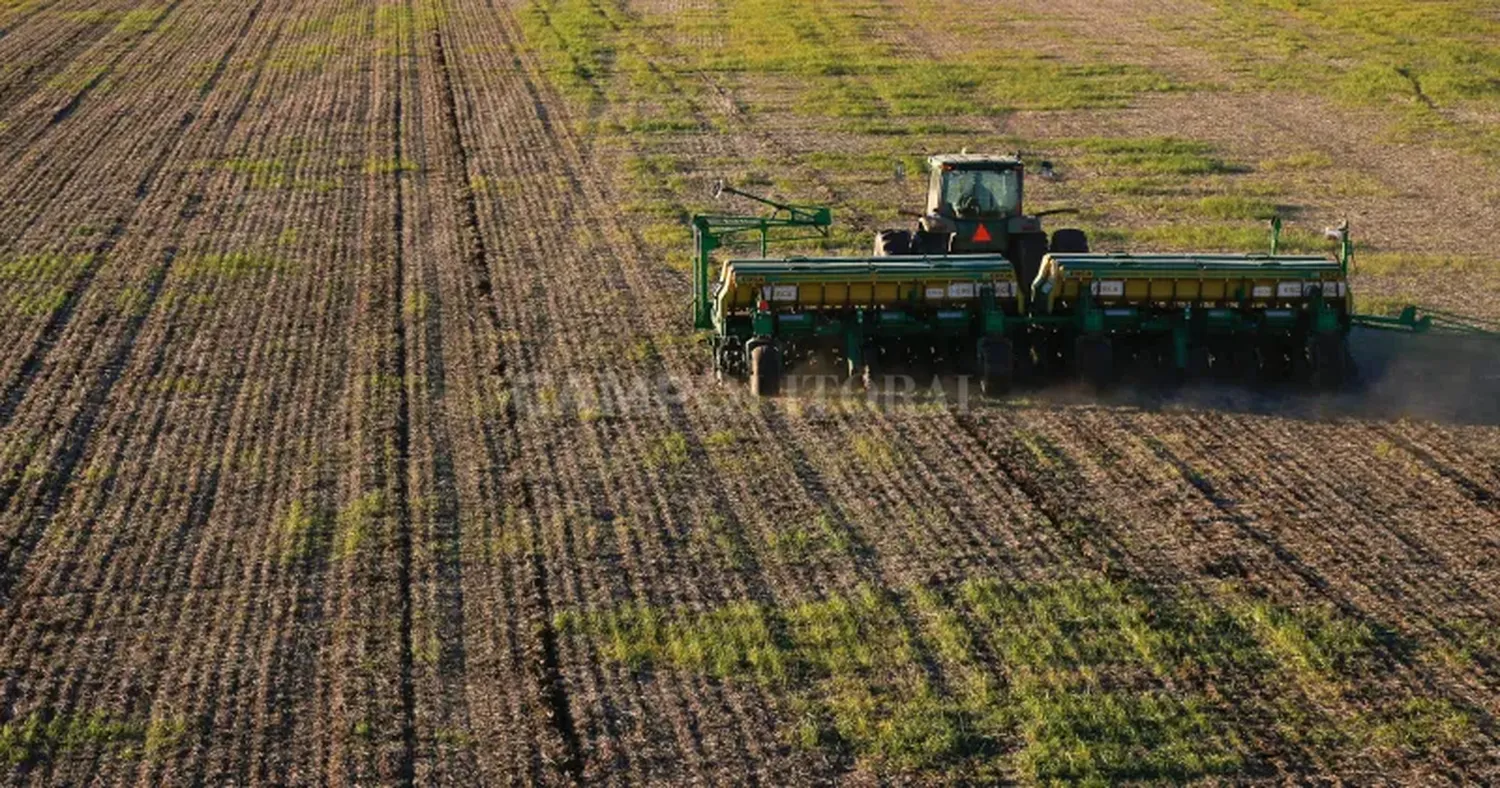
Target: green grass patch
column 670, row 451
column 42, row 267
column 1136, row 186
column 1427, row 64
column 722, row 439
column 1298, row 162
column 388, row 165
column 798, row 543
column 1384, row 305
column 1239, row 237
column 232, row 264
column 1313, row 641
column 828, row 54
column 139, row 20
column 304, row 530
column 1083, row 680
column 1403, row 263
column 262, row 173
column 40, row 303
column 1421, row 725
column 357, row 522
column 1059, row 681
column 1235, row 207
column 77, row 76
column 38, row 738
column 1149, row 156
column 876, row 453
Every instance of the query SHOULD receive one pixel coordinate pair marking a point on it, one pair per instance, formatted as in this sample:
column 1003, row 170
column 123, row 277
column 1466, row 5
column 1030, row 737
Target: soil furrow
column 81, row 426
column 33, row 358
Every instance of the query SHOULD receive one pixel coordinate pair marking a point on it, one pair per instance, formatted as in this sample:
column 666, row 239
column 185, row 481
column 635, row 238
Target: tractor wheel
column 893, row 242
column 729, row 359
column 1026, row 252
column 1095, row 357
column 1332, row 366
column 930, row 243
column 1069, row 241
column 997, row 366
column 765, row 370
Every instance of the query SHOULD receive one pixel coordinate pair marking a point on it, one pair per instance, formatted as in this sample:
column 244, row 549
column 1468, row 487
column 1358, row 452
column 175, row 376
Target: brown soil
column 295, row 472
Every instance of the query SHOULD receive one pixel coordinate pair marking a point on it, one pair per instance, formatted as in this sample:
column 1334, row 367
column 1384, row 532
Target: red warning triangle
column 981, row 235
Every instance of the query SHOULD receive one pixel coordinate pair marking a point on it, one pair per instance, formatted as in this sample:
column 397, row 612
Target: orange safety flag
column 981, row 235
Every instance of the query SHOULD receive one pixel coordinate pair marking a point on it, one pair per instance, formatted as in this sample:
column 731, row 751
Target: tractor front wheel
column 893, row 242
column 765, row 370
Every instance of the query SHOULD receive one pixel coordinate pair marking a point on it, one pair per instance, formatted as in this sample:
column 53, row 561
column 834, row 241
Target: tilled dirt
column 340, row 411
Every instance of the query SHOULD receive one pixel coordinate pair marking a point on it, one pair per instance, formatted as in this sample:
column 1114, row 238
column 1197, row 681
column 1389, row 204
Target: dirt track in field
column 325, row 400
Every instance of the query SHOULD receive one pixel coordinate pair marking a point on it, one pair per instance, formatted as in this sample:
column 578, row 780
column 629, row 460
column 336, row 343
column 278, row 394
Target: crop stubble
column 284, row 485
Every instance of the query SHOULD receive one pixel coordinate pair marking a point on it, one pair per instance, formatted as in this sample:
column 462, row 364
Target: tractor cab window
column 982, row 194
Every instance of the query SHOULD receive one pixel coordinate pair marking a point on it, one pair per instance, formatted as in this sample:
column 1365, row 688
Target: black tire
column 931, row 244
column 1026, row 253
column 893, row 242
column 1095, row 357
column 1069, row 241
column 997, row 366
column 765, row 370
column 1332, row 365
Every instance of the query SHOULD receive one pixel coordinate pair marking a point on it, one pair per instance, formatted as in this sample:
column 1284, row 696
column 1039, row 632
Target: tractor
column 979, row 288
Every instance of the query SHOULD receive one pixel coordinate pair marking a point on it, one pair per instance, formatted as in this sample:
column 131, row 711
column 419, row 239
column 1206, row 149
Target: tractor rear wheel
column 1026, row 252
column 1096, row 361
column 892, row 242
column 1069, row 241
column 997, row 366
column 765, row 370
column 930, row 243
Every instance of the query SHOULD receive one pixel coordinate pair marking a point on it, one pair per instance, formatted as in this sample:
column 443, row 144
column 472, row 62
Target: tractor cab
column 974, row 188
column 975, row 206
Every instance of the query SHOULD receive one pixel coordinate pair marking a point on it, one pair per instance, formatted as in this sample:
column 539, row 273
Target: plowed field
column 353, row 430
